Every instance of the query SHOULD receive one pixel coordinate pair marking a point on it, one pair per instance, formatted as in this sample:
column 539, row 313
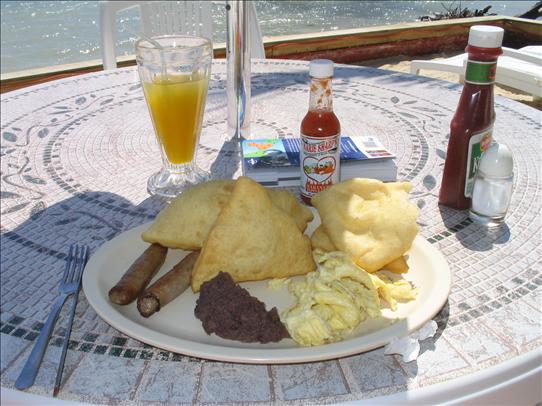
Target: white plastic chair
column 167, row 17
column 519, row 69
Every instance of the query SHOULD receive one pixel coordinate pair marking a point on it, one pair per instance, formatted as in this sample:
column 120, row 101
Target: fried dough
column 370, row 220
column 289, row 204
column 398, row 265
column 320, row 240
column 186, row 222
column 253, row 239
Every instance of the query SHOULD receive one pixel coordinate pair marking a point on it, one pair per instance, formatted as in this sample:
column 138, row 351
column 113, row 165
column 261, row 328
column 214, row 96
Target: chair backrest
column 532, row 54
column 167, row 17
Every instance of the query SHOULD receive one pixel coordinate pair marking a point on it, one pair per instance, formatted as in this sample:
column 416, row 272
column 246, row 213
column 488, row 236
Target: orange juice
column 176, row 105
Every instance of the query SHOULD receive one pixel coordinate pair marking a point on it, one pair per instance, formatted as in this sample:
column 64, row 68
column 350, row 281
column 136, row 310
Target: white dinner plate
column 175, row 328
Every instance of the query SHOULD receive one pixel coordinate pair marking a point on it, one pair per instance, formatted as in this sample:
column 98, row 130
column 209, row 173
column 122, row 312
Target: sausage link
column 168, row 287
column 138, row 276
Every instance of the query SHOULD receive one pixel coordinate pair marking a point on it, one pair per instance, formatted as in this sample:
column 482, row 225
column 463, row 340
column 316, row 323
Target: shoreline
column 390, row 47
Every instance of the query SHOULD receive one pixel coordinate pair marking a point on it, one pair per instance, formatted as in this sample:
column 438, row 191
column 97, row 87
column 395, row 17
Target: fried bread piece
column 320, row 240
column 289, row 204
column 253, row 239
column 372, row 221
column 186, row 222
column 398, row 265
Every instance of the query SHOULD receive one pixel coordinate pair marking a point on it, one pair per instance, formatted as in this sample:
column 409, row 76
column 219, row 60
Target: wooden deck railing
column 342, row 46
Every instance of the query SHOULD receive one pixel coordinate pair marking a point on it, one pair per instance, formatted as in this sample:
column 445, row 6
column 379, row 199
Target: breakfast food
column 398, row 265
column 168, row 287
column 137, row 277
column 321, row 241
column 240, row 231
column 331, row 301
column 391, row 289
column 370, row 220
column 186, row 222
column 336, row 298
column 189, row 218
column 285, row 201
column 253, row 239
column 230, row 312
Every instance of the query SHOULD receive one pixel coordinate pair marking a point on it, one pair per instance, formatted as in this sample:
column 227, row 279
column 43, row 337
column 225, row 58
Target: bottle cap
column 497, row 161
column 485, row 36
column 321, row 68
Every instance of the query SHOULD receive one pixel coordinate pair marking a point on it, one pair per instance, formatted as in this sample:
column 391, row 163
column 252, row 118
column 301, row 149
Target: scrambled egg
column 336, row 298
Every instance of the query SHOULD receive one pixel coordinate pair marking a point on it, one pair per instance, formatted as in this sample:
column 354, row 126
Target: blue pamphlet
column 265, row 153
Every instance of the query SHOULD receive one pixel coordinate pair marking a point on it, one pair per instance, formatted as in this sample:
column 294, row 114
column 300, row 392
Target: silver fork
column 71, row 280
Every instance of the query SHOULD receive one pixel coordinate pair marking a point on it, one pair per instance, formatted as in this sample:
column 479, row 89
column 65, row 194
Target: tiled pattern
column 360, row 370
column 47, row 373
column 103, row 379
column 307, row 381
column 76, row 154
column 234, row 383
column 166, row 382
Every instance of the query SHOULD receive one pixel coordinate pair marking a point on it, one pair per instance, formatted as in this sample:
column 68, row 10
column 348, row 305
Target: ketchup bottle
column 472, row 125
column 320, row 134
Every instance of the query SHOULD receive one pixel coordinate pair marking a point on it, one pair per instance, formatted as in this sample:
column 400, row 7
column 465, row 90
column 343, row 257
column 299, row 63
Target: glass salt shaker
column 493, row 186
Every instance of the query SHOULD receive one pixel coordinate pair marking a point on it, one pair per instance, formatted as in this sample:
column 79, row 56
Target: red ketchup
column 472, row 125
column 320, row 134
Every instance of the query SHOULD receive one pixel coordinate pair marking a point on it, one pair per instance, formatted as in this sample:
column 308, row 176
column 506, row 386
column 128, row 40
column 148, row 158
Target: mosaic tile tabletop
column 76, row 154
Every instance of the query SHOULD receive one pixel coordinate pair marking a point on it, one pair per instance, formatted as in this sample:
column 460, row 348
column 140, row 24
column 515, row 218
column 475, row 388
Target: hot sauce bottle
column 472, row 125
column 320, row 134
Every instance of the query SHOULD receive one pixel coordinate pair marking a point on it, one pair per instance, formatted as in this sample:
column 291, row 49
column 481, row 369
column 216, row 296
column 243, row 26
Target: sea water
column 44, row 33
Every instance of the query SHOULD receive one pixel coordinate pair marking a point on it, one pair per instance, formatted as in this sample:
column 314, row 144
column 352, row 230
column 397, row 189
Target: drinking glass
column 174, row 71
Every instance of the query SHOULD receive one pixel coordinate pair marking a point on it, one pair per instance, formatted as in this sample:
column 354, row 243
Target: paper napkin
column 409, row 347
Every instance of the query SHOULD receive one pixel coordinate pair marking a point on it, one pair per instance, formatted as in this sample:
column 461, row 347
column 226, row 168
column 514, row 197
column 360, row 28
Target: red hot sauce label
column 320, row 163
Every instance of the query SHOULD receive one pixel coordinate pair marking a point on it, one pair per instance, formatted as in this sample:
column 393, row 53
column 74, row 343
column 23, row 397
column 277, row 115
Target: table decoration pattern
column 75, row 157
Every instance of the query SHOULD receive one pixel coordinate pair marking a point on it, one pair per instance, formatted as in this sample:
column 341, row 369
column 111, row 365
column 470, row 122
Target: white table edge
column 515, row 381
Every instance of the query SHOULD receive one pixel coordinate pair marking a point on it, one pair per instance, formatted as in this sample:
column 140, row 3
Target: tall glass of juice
column 174, row 71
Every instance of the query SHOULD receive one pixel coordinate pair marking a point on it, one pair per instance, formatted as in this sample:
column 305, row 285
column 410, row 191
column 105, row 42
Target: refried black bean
column 229, row 311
